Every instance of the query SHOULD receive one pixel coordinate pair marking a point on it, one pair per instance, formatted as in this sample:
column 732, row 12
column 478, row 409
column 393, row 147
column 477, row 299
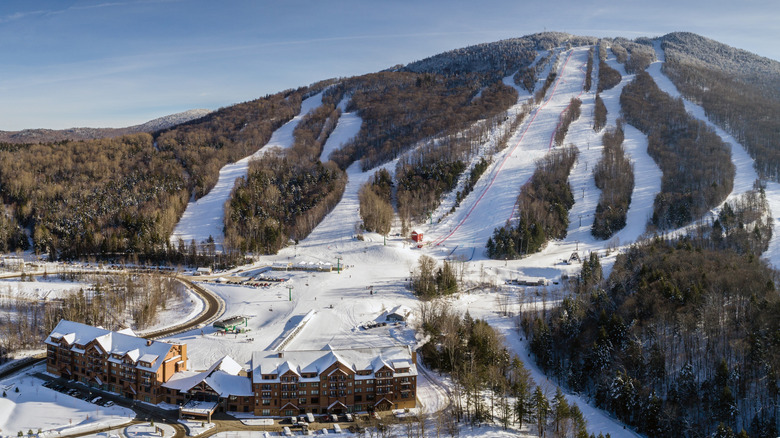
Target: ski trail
column 206, row 216
column 507, row 156
column 745, row 174
column 346, row 129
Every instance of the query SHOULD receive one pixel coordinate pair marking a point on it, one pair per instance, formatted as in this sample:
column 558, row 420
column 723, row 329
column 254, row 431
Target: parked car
column 334, row 418
column 349, row 417
column 96, row 400
column 108, row 403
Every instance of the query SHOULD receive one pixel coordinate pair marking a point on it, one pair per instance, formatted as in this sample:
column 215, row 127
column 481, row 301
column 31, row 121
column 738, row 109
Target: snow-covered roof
column 127, row 331
column 317, row 361
column 75, row 333
column 226, row 364
column 222, row 377
column 400, row 310
column 148, row 358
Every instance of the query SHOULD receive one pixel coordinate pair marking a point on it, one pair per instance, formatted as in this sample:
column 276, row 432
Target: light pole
column 289, row 290
column 338, row 264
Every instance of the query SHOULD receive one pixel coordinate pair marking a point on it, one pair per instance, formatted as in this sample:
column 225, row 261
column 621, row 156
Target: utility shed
column 232, row 324
column 417, row 236
column 398, row 314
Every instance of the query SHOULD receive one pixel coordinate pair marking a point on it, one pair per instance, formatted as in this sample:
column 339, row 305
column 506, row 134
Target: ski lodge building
column 117, row 362
column 333, row 381
column 277, row 383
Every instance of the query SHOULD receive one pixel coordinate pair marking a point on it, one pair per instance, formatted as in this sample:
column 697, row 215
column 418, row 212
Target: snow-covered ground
column 24, row 410
column 179, row 307
column 206, row 216
column 345, row 130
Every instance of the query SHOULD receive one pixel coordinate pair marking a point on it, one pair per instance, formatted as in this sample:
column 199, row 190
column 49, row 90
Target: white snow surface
column 206, row 216
column 22, row 410
column 346, row 129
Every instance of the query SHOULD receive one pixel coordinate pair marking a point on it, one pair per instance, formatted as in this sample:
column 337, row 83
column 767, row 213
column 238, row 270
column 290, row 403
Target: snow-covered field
column 36, row 407
column 179, row 308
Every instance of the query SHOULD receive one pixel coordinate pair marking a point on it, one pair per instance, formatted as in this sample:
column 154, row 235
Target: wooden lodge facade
column 278, row 383
column 333, row 381
column 118, row 362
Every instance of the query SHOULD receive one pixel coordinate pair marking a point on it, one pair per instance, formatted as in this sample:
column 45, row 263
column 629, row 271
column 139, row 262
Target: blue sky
column 100, row 63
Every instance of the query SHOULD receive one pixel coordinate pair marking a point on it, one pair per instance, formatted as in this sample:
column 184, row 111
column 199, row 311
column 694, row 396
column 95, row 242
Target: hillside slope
column 52, row 135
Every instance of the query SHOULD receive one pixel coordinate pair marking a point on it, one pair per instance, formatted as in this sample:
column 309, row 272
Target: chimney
column 149, row 342
column 280, row 354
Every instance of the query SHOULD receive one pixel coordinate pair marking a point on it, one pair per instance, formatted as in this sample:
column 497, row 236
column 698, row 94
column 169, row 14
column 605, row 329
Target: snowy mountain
column 51, row 135
column 604, row 205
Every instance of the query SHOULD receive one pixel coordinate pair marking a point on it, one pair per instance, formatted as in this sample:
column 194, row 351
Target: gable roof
column 222, row 377
column 75, row 333
column 317, row 361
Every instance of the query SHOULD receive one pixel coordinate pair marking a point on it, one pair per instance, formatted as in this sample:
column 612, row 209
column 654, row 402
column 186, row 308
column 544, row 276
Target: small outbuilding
column 233, row 324
column 417, row 236
column 398, row 314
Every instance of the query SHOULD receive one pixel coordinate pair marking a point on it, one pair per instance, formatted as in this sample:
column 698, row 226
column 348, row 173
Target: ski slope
column 745, row 175
column 496, row 192
column 206, row 216
column 377, row 269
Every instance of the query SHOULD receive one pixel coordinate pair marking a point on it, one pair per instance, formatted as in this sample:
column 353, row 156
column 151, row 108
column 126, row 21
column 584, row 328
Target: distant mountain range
column 50, row 135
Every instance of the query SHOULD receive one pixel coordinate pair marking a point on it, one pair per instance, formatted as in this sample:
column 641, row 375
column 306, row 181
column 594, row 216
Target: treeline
column 400, row 109
column 570, row 114
column 636, row 54
column 608, row 77
column 599, row 114
column 375, row 197
column 743, row 225
column 433, row 168
column 313, row 131
column 620, row 52
column 476, row 172
column 111, row 302
column 543, row 205
column 526, row 76
column 287, row 192
column 490, row 385
column 429, row 282
column 681, row 340
column 205, row 145
column 280, row 200
column 94, row 198
column 641, row 58
column 12, row 236
column 589, row 71
column 738, row 91
column 121, row 198
column 697, row 169
column 614, row 176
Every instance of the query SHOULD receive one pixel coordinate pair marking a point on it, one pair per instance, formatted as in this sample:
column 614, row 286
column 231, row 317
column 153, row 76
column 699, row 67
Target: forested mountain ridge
column 442, row 107
column 51, row 135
